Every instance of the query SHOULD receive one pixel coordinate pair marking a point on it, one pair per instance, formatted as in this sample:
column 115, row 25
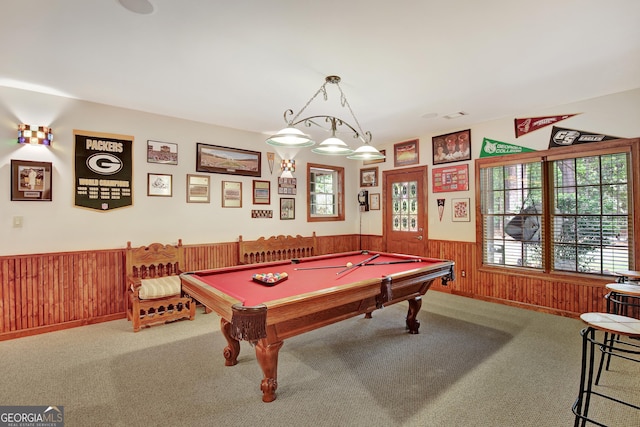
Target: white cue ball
column 349, row 264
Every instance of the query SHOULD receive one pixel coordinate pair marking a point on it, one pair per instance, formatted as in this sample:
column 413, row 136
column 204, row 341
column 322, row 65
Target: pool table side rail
column 440, row 268
column 211, row 297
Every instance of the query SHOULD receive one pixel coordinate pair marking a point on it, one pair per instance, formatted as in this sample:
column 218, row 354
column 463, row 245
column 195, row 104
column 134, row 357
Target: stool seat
column 613, row 323
column 624, row 288
column 628, row 276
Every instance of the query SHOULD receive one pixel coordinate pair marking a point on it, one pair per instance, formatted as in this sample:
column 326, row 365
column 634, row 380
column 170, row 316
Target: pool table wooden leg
column 413, row 324
column 232, row 350
column 267, row 355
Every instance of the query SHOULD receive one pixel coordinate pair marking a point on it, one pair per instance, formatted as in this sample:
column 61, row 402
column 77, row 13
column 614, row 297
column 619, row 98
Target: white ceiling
column 242, row 63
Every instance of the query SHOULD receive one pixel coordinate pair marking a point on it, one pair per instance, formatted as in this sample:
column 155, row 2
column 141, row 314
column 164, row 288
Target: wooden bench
column 154, row 291
column 276, row 248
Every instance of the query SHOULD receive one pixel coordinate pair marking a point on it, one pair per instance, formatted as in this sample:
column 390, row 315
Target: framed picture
column 198, row 189
column 460, row 210
column 159, row 184
column 406, row 153
column 372, row 162
column 287, row 185
column 287, row 208
column 261, row 192
column 30, row 180
column 162, row 152
column 452, row 147
column 450, row 178
column 374, row 201
column 231, row 194
column 369, row 177
column 233, row 161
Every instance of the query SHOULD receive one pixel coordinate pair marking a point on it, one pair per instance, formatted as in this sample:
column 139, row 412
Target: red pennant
column 524, row 126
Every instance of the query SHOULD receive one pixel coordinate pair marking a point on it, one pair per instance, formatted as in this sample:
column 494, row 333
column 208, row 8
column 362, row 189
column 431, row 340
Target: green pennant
column 497, row 148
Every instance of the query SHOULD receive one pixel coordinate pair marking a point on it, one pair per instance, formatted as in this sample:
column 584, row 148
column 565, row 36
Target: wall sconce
column 43, row 135
column 288, row 167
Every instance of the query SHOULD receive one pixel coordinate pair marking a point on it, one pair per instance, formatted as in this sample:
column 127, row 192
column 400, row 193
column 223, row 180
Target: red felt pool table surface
column 319, row 291
column 309, row 275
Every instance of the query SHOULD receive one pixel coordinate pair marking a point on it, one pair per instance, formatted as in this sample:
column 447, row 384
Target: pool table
column 316, row 292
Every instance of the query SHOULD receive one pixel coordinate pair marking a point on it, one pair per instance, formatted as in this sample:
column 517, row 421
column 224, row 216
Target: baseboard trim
column 532, row 307
column 5, row 336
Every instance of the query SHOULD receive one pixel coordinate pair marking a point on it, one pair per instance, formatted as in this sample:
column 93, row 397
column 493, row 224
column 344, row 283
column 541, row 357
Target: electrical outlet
column 463, row 273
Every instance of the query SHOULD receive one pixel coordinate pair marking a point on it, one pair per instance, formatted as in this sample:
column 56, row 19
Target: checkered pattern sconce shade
column 288, row 166
column 43, row 135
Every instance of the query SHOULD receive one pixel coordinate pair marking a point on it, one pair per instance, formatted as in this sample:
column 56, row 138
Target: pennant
column 524, row 126
column 496, row 148
column 440, row 208
column 271, row 158
column 561, row 137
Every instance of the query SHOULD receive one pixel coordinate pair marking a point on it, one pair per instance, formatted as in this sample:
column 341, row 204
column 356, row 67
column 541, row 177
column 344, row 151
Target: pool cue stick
column 359, row 264
column 319, row 268
column 406, row 261
column 393, row 262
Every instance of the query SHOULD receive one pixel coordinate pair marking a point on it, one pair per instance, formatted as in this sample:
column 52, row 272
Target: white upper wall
column 58, row 226
column 616, row 115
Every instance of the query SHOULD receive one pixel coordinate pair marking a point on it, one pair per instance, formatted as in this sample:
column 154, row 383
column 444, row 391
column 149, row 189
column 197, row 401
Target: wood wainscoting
column 563, row 295
column 47, row 292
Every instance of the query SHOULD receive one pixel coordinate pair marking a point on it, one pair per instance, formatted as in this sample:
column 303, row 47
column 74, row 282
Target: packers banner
column 103, row 170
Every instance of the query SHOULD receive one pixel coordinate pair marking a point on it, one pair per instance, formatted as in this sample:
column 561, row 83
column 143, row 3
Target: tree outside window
column 326, row 193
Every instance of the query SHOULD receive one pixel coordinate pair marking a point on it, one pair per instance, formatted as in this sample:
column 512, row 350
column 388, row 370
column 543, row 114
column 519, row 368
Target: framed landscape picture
column 162, row 152
column 233, row 161
column 406, row 153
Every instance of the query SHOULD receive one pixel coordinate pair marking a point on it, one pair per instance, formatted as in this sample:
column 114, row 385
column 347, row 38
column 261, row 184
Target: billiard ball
column 349, row 265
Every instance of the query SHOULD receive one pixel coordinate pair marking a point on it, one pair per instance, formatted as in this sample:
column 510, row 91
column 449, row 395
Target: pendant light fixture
column 293, row 137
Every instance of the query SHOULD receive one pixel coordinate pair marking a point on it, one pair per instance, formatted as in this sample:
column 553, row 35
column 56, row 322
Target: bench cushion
column 160, row 287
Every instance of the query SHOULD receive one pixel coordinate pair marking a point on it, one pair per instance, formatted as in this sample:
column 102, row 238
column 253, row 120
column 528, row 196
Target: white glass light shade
column 366, row 152
column 290, row 137
column 333, row 147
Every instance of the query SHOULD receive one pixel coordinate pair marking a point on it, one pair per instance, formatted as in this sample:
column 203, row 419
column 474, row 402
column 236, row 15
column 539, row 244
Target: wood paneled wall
column 45, row 292
column 40, row 292
column 567, row 296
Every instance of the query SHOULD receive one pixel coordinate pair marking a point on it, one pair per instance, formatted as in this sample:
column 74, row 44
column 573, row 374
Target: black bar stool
column 623, row 299
column 609, row 324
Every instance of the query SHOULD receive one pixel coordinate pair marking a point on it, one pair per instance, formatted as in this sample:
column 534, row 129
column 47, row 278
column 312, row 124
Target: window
column 512, row 214
column 326, row 193
column 405, row 203
column 562, row 210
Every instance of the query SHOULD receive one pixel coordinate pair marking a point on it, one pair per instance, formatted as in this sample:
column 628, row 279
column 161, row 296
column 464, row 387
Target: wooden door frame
column 425, row 194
